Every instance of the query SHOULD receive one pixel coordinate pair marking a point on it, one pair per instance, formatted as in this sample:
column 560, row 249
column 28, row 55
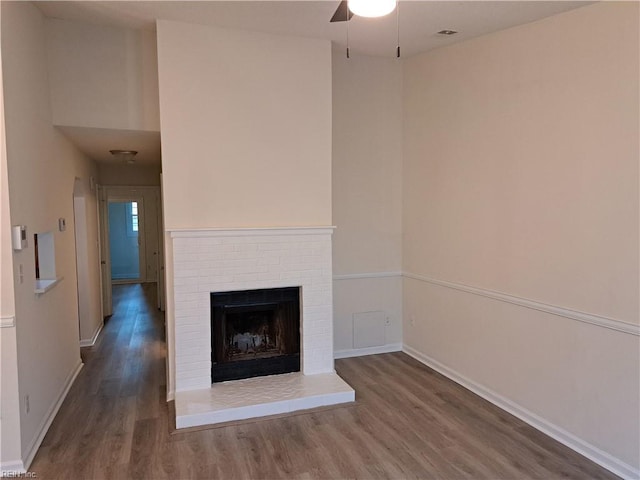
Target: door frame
column 105, row 254
column 130, row 197
column 106, row 192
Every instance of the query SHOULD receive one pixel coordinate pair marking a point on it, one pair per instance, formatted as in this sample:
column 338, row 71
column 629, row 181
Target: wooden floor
column 408, row 422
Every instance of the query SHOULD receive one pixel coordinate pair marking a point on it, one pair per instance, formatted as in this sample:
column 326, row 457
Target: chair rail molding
column 590, row 318
column 249, row 231
column 357, row 276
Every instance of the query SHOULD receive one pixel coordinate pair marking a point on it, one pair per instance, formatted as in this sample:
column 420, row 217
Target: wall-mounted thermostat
column 19, row 237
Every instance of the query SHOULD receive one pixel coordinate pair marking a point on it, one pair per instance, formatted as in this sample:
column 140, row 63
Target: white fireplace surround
column 222, row 260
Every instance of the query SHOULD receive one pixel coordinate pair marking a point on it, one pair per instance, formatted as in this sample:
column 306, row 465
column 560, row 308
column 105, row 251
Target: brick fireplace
column 214, row 261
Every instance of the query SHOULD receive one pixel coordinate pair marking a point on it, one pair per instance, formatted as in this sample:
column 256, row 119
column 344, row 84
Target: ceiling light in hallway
column 127, row 156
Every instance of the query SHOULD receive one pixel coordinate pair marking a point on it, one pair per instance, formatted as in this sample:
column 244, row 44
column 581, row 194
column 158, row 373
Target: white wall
column 42, row 167
column 10, row 458
column 247, row 140
column 367, row 200
column 129, row 175
column 521, row 177
column 102, row 76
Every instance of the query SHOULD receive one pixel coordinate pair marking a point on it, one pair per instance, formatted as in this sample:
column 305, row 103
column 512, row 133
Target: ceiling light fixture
column 447, row 32
column 372, row 8
column 126, row 156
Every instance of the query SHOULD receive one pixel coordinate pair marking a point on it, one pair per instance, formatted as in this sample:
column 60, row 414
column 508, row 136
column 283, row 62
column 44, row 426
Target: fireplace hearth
column 255, row 333
column 246, row 259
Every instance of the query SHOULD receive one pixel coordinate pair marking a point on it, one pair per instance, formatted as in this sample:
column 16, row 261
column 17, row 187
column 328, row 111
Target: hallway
column 408, row 422
column 118, row 399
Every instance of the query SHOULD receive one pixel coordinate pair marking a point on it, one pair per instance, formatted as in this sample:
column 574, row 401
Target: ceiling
column 96, row 143
column 418, row 20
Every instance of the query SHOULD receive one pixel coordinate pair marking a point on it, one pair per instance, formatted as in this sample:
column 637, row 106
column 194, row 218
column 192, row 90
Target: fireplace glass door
column 255, row 333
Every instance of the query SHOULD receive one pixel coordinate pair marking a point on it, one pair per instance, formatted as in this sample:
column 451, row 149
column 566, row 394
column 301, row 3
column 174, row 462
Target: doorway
column 130, row 241
column 126, row 240
column 86, row 251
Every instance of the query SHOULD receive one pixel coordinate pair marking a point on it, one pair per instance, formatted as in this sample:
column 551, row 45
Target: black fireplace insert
column 255, row 333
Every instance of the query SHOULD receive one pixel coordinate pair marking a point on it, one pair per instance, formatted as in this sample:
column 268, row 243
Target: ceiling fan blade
column 342, row 13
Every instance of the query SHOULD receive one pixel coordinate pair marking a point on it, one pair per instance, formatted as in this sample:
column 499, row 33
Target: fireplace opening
column 255, row 333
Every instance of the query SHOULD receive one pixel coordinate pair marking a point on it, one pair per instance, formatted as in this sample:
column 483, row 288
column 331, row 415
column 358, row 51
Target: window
column 132, row 218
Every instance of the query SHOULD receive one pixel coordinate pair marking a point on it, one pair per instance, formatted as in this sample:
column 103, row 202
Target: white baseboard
column 32, row 449
column 92, row 341
column 359, row 352
column 593, row 453
column 171, row 395
column 12, row 469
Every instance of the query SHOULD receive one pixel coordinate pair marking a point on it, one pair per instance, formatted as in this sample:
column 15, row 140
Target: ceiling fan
column 342, row 13
column 363, row 8
column 366, row 8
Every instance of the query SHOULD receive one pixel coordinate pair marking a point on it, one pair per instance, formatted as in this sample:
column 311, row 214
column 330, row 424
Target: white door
column 151, row 232
column 105, row 266
column 127, row 246
column 161, row 251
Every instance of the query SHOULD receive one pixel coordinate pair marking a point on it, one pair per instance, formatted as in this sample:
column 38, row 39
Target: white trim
column 593, row 453
column 44, row 285
column 171, row 395
column 244, row 232
column 92, row 341
column 590, row 318
column 32, row 449
column 356, row 276
column 360, row 352
column 598, row 320
column 8, row 321
column 118, row 190
column 9, row 469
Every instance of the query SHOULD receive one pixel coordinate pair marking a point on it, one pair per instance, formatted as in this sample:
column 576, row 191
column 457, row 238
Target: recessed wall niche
column 45, row 261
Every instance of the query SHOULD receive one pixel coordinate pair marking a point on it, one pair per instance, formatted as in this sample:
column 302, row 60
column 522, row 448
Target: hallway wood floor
column 408, row 422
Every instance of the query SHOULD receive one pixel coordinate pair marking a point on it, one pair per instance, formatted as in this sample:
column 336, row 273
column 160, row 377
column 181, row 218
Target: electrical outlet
column 27, row 406
column 387, row 321
column 20, row 274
